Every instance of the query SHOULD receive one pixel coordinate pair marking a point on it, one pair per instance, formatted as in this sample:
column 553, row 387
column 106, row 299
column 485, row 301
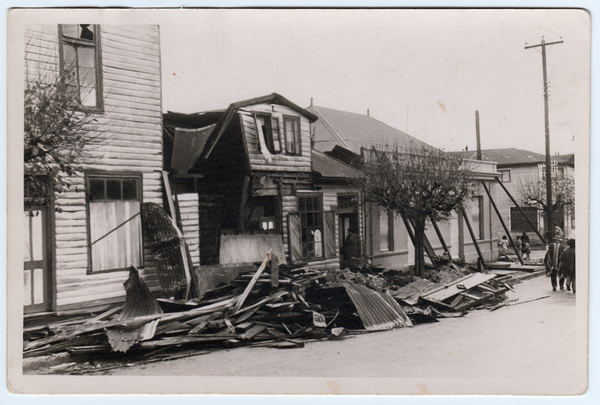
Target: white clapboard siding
column 190, row 221
column 129, row 140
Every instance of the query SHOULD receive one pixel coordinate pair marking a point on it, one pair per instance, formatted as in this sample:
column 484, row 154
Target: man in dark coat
column 566, row 265
column 551, row 259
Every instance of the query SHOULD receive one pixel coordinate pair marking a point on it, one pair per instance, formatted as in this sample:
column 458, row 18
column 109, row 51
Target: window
column 518, row 223
column 291, row 128
column 80, row 63
column 386, row 231
column 268, row 133
column 311, row 224
column 477, row 217
column 505, row 176
column 115, row 233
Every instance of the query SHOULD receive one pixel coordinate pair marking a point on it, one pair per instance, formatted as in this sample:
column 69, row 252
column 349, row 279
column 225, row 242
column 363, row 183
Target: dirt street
column 522, row 349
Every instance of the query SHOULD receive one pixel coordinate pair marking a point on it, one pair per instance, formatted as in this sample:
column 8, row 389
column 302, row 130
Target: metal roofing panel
column 329, row 167
column 377, row 311
column 187, row 146
column 458, row 286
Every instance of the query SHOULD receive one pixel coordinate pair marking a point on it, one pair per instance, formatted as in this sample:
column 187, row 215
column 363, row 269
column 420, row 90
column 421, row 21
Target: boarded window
column 291, row 128
column 518, row 222
column 80, row 63
column 115, row 231
column 505, row 176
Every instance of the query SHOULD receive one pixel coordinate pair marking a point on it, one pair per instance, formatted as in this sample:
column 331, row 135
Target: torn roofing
column 329, row 167
column 188, row 145
column 353, row 131
column 230, row 112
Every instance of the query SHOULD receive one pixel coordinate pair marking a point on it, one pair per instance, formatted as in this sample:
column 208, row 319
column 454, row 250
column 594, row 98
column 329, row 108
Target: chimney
column 311, row 101
column 368, row 114
column 479, row 157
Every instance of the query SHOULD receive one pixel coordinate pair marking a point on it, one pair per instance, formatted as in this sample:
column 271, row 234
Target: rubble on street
column 276, row 306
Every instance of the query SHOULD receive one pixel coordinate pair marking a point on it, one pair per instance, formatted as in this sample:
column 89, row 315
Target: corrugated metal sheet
column 139, row 302
column 250, row 248
column 187, row 146
column 166, row 246
column 377, row 311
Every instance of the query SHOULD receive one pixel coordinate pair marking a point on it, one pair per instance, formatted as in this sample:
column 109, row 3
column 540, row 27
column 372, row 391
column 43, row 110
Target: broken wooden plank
column 451, row 289
column 253, row 331
column 244, row 295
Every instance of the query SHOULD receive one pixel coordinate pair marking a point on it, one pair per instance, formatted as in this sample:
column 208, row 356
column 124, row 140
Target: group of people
column 560, row 261
column 521, row 246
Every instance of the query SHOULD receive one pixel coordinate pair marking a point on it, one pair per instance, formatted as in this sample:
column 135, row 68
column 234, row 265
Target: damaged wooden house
column 79, row 245
column 246, row 181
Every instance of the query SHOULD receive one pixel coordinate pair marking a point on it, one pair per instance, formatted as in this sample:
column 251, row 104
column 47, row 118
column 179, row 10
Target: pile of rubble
column 274, row 306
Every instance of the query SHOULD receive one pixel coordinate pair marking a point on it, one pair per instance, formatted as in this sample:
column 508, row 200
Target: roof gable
column 354, row 131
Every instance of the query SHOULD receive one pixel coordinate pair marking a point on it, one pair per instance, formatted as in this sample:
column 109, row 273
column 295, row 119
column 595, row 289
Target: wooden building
column 259, row 183
column 347, row 136
column 78, row 247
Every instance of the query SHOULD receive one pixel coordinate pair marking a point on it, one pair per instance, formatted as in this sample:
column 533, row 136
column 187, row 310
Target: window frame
column 111, row 175
column 502, row 172
column 390, row 227
column 269, row 137
column 297, row 141
column 320, row 212
column 96, row 45
column 477, row 201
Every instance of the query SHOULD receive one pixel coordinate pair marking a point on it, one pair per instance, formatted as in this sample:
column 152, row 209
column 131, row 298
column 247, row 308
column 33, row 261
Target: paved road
column 521, row 349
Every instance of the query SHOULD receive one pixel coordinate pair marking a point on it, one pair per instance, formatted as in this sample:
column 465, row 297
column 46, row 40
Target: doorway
column 36, row 269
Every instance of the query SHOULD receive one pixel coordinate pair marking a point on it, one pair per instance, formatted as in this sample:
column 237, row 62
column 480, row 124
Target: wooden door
column 36, row 271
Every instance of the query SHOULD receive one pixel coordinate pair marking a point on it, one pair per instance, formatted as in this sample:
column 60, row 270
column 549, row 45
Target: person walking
column 518, row 245
column 503, row 245
column 553, row 252
column 566, row 265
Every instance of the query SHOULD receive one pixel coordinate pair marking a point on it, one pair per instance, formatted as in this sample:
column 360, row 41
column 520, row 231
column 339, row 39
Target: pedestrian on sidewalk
column 566, row 265
column 503, row 245
column 518, row 245
column 553, row 252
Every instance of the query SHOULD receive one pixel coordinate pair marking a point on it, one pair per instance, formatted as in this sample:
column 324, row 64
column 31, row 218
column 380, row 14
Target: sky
column 424, row 72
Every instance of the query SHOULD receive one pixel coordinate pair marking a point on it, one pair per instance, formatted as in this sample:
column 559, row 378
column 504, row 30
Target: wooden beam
column 473, row 238
column 440, row 236
column 502, row 221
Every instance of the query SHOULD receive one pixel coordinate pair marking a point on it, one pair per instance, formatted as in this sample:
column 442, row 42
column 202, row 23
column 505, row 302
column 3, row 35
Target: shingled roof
column 514, row 156
column 353, row 131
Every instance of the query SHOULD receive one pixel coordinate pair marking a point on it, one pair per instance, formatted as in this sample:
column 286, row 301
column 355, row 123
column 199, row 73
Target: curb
column 528, row 276
column 35, row 363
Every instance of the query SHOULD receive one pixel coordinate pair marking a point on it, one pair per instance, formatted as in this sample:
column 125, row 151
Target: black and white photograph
column 352, row 201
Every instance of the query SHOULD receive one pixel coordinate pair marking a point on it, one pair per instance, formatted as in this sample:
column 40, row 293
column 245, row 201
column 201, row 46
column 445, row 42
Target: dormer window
column 268, row 132
column 80, row 64
column 291, row 128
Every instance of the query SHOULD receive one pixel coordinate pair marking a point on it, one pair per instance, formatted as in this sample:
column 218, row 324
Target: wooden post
column 464, row 214
column 521, row 211
column 441, row 237
column 502, row 221
column 428, row 249
column 274, row 271
column 245, row 191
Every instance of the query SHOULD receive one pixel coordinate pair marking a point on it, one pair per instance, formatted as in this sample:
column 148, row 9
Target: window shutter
column 276, row 134
column 330, row 250
column 295, row 237
column 297, row 145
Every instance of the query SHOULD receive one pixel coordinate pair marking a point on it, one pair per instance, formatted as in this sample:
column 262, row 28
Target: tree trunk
column 419, row 225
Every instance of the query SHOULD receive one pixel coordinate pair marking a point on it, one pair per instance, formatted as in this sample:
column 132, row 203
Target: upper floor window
column 505, row 176
column 269, row 135
column 291, row 128
column 80, row 65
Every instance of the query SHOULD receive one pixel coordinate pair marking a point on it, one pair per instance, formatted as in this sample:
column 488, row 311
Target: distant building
column 516, row 167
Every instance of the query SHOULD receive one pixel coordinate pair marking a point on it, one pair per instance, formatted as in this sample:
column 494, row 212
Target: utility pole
column 549, row 227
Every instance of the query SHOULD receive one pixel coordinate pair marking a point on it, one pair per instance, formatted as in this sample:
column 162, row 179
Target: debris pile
column 276, row 306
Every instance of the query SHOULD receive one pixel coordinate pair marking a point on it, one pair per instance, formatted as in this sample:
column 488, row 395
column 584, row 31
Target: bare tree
column 56, row 135
column 417, row 184
column 533, row 193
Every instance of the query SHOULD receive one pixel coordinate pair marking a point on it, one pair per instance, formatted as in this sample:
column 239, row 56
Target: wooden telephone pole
column 549, row 220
